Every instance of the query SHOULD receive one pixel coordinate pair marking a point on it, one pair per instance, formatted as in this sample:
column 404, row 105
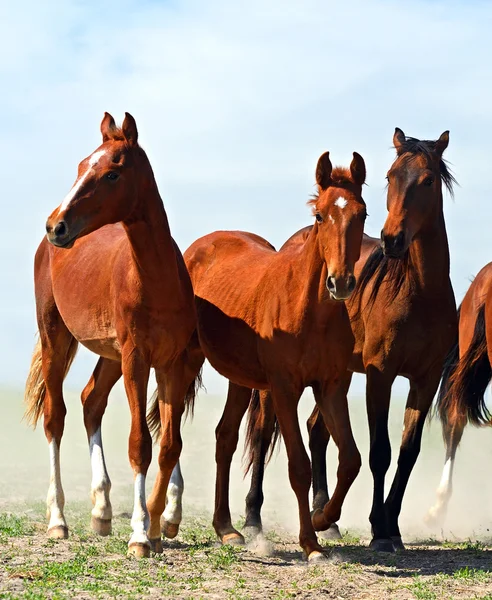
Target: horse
column 466, row 375
column 403, row 317
column 277, row 321
column 108, row 275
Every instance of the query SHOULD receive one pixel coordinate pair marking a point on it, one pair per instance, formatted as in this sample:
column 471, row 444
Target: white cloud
column 235, row 101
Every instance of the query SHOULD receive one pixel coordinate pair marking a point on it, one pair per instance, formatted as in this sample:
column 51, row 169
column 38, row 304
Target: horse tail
column 35, row 391
column 154, row 414
column 450, row 363
column 472, row 375
column 255, row 436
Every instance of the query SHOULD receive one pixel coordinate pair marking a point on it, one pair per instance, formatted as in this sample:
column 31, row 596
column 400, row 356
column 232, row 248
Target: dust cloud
column 24, row 470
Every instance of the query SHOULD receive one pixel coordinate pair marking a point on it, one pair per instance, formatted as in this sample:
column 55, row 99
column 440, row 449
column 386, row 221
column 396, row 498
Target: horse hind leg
column 94, row 401
column 51, row 361
column 319, row 436
column 261, row 438
column 452, row 433
column 173, row 513
column 227, row 434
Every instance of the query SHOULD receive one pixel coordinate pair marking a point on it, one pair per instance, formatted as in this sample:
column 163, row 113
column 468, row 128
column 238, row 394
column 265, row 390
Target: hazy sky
column 235, row 101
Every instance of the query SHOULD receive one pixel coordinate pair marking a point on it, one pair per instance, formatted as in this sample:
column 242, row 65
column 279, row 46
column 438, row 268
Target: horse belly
column 230, row 346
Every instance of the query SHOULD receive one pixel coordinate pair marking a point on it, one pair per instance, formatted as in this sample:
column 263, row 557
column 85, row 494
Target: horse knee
column 351, row 465
column 169, row 454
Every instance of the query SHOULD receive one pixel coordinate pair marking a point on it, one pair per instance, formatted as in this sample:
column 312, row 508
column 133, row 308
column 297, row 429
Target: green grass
column 14, row 526
column 422, row 590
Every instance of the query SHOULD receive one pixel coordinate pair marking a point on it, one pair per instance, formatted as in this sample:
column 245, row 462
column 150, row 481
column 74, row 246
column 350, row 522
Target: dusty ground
column 455, row 562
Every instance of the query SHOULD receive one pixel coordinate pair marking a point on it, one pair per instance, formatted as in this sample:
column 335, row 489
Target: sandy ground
column 275, row 567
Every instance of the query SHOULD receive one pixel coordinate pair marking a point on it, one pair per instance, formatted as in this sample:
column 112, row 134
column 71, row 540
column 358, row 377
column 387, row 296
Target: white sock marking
column 173, row 512
column 56, row 498
column 101, row 484
column 140, row 517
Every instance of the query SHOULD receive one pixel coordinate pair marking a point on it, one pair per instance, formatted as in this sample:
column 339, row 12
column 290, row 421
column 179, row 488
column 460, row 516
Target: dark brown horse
column 403, row 317
column 274, row 320
column 466, row 376
column 109, row 276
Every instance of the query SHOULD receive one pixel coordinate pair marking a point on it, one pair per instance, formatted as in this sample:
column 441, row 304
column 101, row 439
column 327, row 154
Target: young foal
column 123, row 291
column 273, row 321
column 403, row 316
column 465, row 378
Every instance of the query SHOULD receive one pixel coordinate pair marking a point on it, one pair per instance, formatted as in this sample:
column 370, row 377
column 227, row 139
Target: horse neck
column 148, row 232
column 429, row 254
column 314, row 297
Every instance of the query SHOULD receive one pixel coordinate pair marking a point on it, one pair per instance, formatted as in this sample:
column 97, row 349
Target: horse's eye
column 428, row 181
column 319, row 218
column 112, row 175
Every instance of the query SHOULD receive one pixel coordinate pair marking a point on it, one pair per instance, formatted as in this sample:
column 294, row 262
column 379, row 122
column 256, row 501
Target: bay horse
column 109, row 275
column 465, row 378
column 276, row 320
column 403, row 316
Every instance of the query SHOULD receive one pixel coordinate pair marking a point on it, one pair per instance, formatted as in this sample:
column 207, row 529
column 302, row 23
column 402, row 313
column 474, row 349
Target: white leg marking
column 101, row 484
column 140, row 517
column 444, row 491
column 173, row 512
column 56, row 498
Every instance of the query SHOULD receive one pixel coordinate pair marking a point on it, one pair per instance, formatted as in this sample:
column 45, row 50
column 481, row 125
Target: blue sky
column 235, row 102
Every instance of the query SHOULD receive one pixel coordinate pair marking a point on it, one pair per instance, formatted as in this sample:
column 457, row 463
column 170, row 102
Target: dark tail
column 257, row 426
column 154, row 415
column 465, row 390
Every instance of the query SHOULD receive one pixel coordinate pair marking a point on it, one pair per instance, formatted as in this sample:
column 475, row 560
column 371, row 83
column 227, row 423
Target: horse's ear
column 358, row 169
column 442, row 143
column 107, row 127
column 129, row 129
column 398, row 140
column 323, row 171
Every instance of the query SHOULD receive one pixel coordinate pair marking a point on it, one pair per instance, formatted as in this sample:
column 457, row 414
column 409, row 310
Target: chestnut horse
column 465, row 378
column 110, row 276
column 274, row 320
column 403, row 317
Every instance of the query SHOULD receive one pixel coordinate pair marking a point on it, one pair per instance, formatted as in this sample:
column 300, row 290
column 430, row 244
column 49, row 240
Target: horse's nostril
column 351, row 283
column 60, row 229
column 330, row 284
column 399, row 240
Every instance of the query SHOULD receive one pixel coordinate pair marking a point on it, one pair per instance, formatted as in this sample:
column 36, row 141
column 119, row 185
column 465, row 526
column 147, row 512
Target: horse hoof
column 317, row 557
column 169, row 530
column 139, row 550
column 318, row 520
column 101, row 526
column 252, row 531
column 332, row 533
column 232, row 539
column 397, row 543
column 156, row 545
column 434, row 519
column 58, row 532
column 382, row 545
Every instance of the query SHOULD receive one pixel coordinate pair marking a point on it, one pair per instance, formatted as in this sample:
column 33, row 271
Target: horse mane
column 340, row 177
column 379, row 266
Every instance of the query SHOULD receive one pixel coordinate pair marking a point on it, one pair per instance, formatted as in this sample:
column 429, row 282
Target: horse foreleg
column 418, row 403
column 332, row 402
column 94, row 401
column 285, row 402
column 136, row 376
column 378, row 393
column 176, row 388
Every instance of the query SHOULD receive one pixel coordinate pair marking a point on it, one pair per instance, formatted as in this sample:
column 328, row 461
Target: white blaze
column 93, row 160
